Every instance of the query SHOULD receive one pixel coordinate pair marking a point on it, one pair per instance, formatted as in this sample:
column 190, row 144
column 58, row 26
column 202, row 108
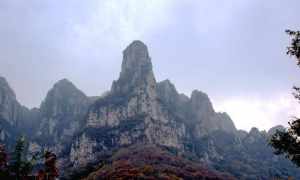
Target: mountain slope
column 62, row 115
column 142, row 116
column 152, row 162
column 15, row 118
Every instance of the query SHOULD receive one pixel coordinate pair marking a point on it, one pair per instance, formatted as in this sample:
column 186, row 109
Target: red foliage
column 149, row 162
column 50, row 165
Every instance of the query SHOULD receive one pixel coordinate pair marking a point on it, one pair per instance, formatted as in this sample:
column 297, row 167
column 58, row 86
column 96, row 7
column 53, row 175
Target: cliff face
column 15, row 118
column 62, row 114
column 196, row 112
column 10, row 109
column 140, row 110
column 130, row 113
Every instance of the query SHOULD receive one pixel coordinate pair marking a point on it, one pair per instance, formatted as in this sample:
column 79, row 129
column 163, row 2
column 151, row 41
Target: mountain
column 137, row 110
column 139, row 115
column 15, row 119
column 62, row 115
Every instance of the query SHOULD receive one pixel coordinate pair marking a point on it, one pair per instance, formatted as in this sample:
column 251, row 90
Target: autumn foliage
column 150, row 162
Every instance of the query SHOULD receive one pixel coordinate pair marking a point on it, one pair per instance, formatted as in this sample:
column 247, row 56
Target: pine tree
column 20, row 166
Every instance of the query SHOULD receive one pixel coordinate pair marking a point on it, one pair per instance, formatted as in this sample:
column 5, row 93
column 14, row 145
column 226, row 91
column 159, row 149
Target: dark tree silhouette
column 288, row 142
column 19, row 165
column 4, row 173
column 51, row 170
column 294, row 48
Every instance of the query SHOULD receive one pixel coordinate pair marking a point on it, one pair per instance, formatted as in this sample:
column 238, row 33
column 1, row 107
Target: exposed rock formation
column 62, row 115
column 138, row 110
column 131, row 112
column 10, row 109
column 152, row 112
column 15, row 118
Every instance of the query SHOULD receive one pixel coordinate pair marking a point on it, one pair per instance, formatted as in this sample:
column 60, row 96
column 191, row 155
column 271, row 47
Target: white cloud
column 261, row 112
column 117, row 22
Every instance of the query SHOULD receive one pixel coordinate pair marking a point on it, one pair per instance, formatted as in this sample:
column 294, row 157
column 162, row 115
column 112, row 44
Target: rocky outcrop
column 131, row 113
column 62, row 115
column 140, row 110
column 196, row 112
column 15, row 118
column 204, row 117
column 10, row 109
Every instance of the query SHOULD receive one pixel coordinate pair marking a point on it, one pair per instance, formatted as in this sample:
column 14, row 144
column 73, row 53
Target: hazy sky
column 234, row 50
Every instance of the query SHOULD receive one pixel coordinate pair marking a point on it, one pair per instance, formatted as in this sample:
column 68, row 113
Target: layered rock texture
column 62, row 114
column 139, row 111
column 15, row 119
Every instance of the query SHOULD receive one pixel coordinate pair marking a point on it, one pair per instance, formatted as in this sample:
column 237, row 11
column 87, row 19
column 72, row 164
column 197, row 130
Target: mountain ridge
column 140, row 110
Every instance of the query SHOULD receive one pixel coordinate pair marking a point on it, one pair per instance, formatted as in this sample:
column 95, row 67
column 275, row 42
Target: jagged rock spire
column 5, row 88
column 135, row 57
column 136, row 69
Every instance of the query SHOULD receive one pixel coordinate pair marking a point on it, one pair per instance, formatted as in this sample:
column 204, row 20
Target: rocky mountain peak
column 168, row 86
column 5, row 89
column 135, row 55
column 136, row 69
column 62, row 97
column 62, row 114
column 167, row 91
column 226, row 122
column 63, row 82
column 66, row 86
column 10, row 109
column 254, row 132
column 201, row 101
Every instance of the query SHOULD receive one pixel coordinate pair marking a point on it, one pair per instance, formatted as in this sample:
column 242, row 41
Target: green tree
column 19, row 165
column 288, row 142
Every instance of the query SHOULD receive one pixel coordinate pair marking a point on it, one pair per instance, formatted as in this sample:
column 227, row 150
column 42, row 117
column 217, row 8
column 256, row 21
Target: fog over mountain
column 233, row 50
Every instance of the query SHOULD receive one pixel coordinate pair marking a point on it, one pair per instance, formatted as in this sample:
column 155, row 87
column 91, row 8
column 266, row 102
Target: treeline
column 18, row 166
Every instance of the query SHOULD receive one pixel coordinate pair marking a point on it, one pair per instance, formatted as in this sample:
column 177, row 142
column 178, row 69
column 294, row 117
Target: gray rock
column 15, row 118
column 138, row 110
column 62, row 115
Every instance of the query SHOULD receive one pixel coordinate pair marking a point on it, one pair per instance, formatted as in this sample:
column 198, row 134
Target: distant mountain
column 62, row 114
column 140, row 115
column 15, row 119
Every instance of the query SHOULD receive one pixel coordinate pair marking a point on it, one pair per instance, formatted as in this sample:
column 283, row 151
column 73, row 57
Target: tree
column 294, row 48
column 288, row 142
column 20, row 166
column 4, row 173
column 50, row 165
